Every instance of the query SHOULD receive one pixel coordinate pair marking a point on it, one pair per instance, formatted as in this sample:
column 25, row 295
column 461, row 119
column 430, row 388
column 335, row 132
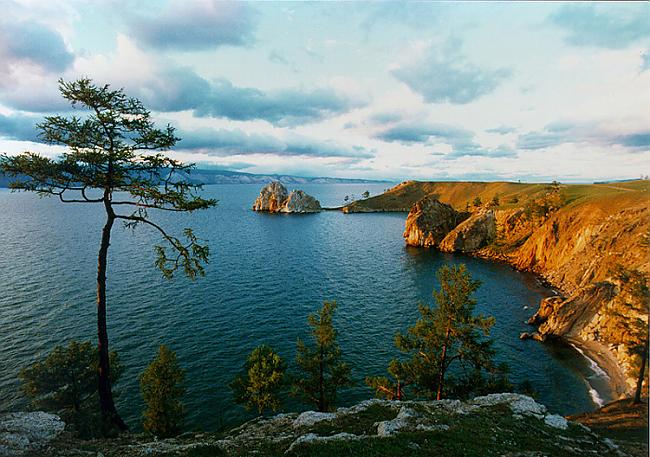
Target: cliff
column 493, row 425
column 274, row 198
column 572, row 236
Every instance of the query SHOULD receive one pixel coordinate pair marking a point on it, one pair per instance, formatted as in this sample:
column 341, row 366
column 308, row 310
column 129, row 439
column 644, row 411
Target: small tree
column 495, row 201
column 391, row 388
column 260, row 385
column 322, row 370
column 161, row 386
column 634, row 301
column 114, row 148
column 477, row 202
column 444, row 335
column 366, row 194
column 65, row 382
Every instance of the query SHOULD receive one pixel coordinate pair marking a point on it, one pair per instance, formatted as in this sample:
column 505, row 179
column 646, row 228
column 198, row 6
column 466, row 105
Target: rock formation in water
column 429, row 221
column 274, row 198
column 477, row 231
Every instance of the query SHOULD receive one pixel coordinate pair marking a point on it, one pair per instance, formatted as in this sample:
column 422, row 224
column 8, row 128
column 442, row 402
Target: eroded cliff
column 574, row 237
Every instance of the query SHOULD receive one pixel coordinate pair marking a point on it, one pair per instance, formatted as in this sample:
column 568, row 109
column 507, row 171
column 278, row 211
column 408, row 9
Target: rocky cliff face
column 574, row 246
column 274, row 198
column 473, row 233
column 429, row 221
column 576, row 249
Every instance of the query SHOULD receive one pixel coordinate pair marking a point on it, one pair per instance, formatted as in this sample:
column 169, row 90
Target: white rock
column 309, row 418
column 22, row 433
column 312, row 438
column 556, row 421
column 432, row 428
column 519, row 404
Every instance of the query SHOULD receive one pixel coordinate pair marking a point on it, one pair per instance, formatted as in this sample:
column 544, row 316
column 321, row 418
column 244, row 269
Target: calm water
column 267, row 273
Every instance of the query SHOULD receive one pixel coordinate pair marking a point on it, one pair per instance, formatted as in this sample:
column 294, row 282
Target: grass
column 458, row 194
column 357, row 424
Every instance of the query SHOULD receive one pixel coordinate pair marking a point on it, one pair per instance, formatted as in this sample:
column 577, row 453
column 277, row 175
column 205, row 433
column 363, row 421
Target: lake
column 267, row 273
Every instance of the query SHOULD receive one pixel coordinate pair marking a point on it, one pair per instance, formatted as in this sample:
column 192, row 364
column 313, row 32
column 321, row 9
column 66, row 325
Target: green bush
column 161, row 385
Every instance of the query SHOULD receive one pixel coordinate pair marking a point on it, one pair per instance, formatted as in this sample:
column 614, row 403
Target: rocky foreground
column 274, row 198
column 493, row 425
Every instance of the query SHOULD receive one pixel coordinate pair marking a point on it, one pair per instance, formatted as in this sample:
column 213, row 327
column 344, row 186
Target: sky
column 383, row 90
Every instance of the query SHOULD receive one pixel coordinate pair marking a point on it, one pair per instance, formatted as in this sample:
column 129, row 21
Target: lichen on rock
column 23, row 433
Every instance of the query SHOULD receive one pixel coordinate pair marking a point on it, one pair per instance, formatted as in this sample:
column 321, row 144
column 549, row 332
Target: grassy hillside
column 459, row 194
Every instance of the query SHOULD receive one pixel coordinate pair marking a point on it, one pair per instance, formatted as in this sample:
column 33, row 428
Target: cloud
column 181, row 89
column 645, row 61
column 421, row 133
column 197, row 25
column 34, row 43
column 443, row 74
column 635, row 140
column 417, row 15
column 461, row 141
column 19, row 127
column 610, row 25
column 237, row 142
column 502, row 130
column 556, row 134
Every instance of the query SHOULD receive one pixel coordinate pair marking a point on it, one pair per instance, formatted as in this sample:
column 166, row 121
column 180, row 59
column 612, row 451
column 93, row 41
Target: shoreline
column 603, row 364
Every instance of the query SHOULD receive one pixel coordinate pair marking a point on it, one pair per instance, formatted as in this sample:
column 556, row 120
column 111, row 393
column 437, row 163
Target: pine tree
column 322, row 370
column 259, row 387
column 444, row 335
column 65, row 382
column 114, row 160
column 161, row 385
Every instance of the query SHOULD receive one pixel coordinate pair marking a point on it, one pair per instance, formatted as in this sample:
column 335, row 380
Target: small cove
column 267, row 273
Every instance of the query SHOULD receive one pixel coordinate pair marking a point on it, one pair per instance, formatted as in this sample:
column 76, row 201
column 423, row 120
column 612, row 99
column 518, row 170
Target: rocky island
column 274, row 198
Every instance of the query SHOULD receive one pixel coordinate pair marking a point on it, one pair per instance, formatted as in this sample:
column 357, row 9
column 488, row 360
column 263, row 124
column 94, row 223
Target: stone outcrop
column 274, row 198
column 429, row 221
column 25, row 433
column 501, row 423
column 475, row 232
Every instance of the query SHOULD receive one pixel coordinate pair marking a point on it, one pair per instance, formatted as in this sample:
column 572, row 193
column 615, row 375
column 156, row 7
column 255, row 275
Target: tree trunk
column 106, row 404
column 443, row 359
column 321, row 383
column 639, row 382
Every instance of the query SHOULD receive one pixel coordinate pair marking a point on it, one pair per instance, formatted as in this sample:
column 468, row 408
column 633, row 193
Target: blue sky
column 426, row 90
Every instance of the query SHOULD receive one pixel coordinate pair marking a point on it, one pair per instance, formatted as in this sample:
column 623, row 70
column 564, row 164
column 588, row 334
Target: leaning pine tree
column 113, row 159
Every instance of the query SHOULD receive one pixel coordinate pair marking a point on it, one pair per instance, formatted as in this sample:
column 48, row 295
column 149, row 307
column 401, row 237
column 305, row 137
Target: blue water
column 267, row 273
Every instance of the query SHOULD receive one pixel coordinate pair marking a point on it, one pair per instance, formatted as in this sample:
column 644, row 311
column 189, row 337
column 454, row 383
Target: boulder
column 429, row 221
column 472, row 234
column 274, row 198
column 25, row 433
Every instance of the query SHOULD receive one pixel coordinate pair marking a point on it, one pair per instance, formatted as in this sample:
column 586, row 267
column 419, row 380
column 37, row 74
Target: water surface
column 267, row 273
